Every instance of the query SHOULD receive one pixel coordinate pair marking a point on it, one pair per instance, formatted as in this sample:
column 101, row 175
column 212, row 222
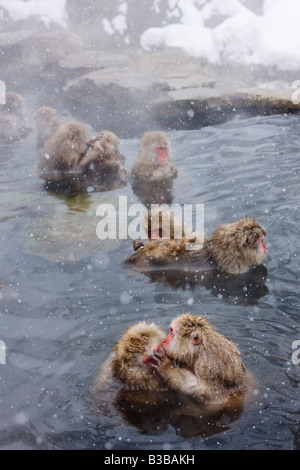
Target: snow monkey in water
column 193, row 359
column 104, row 161
column 64, row 152
column 12, row 118
column 154, row 162
column 47, row 123
column 234, row 248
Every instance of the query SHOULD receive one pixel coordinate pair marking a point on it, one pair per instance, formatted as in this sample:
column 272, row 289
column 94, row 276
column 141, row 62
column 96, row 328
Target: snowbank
column 240, row 36
column 220, row 31
column 48, row 11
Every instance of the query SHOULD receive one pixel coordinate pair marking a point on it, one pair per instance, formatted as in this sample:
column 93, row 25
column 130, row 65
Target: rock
column 115, row 98
column 74, row 65
column 48, row 48
column 30, row 58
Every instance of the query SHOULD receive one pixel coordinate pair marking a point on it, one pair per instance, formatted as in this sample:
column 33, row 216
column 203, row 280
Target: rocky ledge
column 132, row 91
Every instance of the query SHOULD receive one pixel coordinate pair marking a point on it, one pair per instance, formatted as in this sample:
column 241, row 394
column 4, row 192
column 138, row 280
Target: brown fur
column 126, row 362
column 211, row 369
column 147, row 167
column 47, row 123
column 165, row 224
column 12, row 118
column 194, row 360
column 104, row 160
column 14, row 104
column 63, row 152
column 161, row 223
column 233, row 248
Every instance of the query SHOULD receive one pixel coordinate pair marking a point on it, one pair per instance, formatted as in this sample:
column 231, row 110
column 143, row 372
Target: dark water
column 66, row 297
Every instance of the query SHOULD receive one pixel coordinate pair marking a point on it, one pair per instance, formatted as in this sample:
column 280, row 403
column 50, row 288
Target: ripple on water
column 60, row 315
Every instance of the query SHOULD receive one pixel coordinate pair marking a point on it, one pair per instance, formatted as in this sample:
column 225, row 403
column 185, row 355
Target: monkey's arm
column 166, row 171
column 87, row 160
column 142, row 171
column 182, row 380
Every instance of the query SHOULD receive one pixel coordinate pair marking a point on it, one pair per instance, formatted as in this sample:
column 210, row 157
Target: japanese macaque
column 198, row 361
column 193, row 360
column 104, row 163
column 163, row 223
column 233, row 248
column 47, row 123
column 64, row 152
column 12, row 118
column 154, row 162
column 130, row 361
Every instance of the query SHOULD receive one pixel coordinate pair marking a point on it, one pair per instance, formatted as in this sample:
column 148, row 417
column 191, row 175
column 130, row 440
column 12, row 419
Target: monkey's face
column 183, row 344
column 155, row 148
column 161, row 154
column 253, row 243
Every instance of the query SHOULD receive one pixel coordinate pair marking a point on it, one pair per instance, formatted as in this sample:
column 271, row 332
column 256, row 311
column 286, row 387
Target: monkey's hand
column 154, row 359
column 137, row 244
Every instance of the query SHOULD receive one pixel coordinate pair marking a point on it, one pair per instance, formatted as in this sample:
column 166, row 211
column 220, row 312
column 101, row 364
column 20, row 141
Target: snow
column 218, row 31
column 241, row 36
column 53, row 11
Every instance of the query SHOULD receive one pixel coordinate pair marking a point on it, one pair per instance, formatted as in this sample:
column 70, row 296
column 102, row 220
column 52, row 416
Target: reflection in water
column 244, row 289
column 76, row 202
column 87, row 182
column 153, row 412
column 154, row 193
column 59, row 320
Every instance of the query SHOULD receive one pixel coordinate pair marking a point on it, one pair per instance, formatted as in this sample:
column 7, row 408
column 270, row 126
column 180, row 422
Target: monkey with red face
column 233, row 248
column 154, row 162
column 193, row 359
column 196, row 360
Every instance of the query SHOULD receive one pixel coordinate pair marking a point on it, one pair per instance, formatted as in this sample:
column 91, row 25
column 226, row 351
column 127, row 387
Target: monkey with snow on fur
column 193, row 360
column 233, row 248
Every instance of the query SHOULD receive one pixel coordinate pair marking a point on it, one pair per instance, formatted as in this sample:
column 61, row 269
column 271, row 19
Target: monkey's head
column 105, row 143
column 14, row 104
column 193, row 343
column 45, row 116
column 129, row 361
column 239, row 246
column 76, row 135
column 186, row 336
column 155, row 147
column 162, row 223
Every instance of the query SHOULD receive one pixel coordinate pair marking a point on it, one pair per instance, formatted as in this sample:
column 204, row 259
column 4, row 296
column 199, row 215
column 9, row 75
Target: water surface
column 66, row 297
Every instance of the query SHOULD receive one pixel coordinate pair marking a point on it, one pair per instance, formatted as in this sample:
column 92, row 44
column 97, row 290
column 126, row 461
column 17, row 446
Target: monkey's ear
column 196, row 339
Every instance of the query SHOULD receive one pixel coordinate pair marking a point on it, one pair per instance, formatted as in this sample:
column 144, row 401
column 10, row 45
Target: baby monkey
column 105, row 162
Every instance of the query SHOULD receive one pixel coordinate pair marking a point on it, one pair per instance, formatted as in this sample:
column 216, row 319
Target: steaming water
column 59, row 320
